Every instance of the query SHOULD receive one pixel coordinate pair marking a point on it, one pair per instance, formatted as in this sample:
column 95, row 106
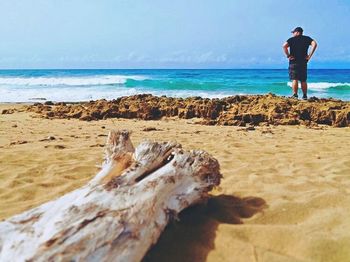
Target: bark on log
column 120, row 213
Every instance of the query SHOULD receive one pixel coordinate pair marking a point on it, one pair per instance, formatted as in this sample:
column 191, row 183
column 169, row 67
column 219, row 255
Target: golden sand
column 285, row 195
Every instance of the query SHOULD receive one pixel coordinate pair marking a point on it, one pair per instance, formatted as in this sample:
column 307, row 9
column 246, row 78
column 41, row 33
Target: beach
column 285, row 193
column 175, row 131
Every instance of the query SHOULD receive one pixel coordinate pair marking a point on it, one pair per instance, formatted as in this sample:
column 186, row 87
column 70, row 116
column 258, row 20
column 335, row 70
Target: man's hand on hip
column 291, row 58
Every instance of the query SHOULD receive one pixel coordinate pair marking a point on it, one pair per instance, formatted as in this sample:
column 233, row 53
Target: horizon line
column 8, row 69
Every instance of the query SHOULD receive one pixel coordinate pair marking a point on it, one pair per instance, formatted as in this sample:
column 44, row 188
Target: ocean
column 85, row 85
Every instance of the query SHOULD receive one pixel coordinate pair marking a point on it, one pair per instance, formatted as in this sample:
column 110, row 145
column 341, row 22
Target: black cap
column 298, row 29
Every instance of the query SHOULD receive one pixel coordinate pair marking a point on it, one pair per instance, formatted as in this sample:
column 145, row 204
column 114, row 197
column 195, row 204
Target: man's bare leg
column 304, row 88
column 295, row 87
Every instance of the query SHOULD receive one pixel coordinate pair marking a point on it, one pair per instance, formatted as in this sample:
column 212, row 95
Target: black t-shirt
column 298, row 47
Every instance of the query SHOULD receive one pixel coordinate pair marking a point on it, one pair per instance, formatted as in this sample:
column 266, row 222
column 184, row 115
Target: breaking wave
column 70, row 81
column 321, row 86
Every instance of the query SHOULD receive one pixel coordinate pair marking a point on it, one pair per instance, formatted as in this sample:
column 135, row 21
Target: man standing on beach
column 298, row 58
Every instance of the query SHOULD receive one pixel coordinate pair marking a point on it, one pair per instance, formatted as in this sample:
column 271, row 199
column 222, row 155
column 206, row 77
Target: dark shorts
column 298, row 71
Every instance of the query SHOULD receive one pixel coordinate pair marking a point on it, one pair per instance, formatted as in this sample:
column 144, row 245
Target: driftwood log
column 120, row 213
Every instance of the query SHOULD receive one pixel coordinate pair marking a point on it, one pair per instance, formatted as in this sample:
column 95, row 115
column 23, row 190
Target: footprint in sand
column 56, row 146
column 18, row 142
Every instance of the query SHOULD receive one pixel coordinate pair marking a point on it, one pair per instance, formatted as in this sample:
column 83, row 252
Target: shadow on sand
column 192, row 237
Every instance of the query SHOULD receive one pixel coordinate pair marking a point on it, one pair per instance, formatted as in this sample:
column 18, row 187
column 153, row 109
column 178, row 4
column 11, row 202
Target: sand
column 285, row 195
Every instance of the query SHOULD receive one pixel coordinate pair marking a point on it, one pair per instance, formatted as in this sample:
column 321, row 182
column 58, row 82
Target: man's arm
column 286, row 51
column 313, row 48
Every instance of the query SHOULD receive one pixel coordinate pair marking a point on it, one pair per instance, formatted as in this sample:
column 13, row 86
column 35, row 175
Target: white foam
column 75, row 94
column 191, row 93
column 69, row 81
column 320, row 86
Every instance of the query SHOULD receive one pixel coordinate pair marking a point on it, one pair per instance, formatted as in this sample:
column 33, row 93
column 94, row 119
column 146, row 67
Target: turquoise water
column 84, row 85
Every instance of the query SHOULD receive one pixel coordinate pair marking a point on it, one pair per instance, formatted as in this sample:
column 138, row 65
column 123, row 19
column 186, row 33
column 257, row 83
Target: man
column 298, row 58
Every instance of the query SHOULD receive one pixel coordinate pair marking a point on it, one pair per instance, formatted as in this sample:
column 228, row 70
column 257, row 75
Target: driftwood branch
column 120, row 213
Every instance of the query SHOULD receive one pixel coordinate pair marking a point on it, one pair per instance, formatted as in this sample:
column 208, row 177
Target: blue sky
column 168, row 34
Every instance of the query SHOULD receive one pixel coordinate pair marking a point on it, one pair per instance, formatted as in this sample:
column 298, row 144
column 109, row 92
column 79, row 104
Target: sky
column 168, row 34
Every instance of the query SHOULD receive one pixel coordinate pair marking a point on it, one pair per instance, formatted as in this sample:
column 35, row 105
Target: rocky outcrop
column 233, row 110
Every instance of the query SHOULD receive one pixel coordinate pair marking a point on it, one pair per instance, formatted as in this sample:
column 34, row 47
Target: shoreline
column 44, row 100
column 284, row 194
